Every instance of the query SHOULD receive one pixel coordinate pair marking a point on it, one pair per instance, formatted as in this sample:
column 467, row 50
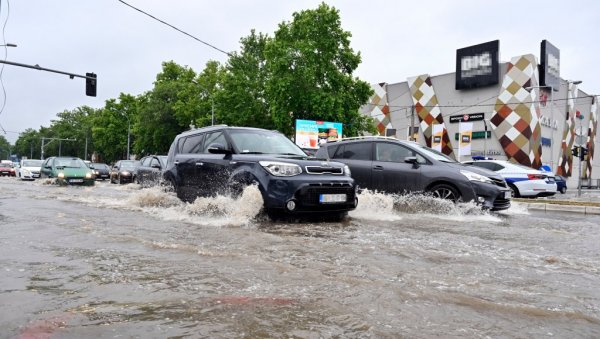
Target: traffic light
column 90, row 84
column 583, row 153
column 575, row 151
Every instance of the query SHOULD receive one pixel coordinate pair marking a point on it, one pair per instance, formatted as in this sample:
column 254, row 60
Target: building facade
column 521, row 111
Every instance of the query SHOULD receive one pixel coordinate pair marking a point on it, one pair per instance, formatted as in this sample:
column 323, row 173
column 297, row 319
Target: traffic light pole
column 90, row 77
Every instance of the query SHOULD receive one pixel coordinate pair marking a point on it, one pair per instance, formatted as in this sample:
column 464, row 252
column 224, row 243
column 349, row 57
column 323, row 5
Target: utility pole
column 412, row 123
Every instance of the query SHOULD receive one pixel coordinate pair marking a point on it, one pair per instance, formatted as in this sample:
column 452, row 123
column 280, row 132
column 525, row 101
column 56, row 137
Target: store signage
column 550, row 65
column 489, row 152
column 466, row 117
column 547, row 122
column 477, row 66
column 546, row 142
column 477, row 135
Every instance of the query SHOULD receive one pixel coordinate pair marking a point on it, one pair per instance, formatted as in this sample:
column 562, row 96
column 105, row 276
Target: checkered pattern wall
column 516, row 117
column 591, row 139
column 428, row 110
column 565, row 159
column 379, row 108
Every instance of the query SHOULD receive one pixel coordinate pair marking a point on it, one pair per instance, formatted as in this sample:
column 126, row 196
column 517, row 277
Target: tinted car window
column 354, row 151
column 265, row 142
column 331, row 151
column 392, row 152
column 154, row 162
column 192, row 144
column 212, row 138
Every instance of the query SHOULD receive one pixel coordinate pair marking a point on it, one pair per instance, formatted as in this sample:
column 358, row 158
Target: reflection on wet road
column 116, row 260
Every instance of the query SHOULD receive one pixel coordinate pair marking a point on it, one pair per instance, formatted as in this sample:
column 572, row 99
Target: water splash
column 375, row 206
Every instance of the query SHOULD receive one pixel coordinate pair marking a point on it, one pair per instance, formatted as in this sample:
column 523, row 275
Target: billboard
column 310, row 133
column 477, row 66
column 550, row 65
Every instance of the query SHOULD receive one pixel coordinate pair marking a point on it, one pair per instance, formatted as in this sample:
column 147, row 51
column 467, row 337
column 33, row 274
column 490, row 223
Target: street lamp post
column 128, row 134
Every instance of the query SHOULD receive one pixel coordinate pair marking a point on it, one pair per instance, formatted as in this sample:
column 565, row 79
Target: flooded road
column 119, row 261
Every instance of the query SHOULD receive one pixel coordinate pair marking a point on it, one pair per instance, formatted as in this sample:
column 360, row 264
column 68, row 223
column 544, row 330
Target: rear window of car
column 191, row 144
column 354, row 151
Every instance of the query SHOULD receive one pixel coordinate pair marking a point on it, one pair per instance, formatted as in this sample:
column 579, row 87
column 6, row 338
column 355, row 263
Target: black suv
column 396, row 166
column 224, row 160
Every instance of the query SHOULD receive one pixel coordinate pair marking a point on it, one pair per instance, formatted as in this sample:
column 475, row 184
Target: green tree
column 110, row 127
column 159, row 121
column 196, row 96
column 242, row 100
column 28, row 144
column 5, row 148
column 75, row 125
column 311, row 67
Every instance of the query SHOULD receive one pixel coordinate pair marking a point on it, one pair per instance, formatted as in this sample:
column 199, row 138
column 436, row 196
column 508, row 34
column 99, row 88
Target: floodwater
column 116, row 261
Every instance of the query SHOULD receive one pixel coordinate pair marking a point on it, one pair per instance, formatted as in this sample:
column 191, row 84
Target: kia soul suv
column 397, row 166
column 224, row 160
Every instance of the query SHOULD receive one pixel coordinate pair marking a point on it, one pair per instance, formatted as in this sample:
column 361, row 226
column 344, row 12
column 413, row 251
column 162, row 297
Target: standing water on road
column 117, row 260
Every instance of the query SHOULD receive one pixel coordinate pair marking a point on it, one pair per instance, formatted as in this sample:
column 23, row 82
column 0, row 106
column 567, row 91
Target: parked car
column 101, row 171
column 221, row 159
column 561, row 183
column 67, row 171
column 29, row 169
column 6, row 169
column 122, row 171
column 522, row 180
column 396, row 166
column 150, row 170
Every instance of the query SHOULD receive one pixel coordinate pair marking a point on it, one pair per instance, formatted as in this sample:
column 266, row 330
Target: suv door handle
column 199, row 164
column 378, row 168
column 176, row 162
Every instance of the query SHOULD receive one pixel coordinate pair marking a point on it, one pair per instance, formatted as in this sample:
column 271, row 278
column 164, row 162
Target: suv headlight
column 476, row 177
column 26, row 172
column 347, row 170
column 281, row 169
column 61, row 175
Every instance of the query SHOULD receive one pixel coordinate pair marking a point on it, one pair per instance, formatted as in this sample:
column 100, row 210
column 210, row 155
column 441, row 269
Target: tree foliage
column 311, row 67
column 242, row 99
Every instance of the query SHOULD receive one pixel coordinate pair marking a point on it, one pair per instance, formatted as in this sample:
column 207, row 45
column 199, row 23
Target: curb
column 591, row 210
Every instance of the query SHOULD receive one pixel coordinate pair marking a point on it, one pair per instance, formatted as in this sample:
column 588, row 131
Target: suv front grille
column 324, row 170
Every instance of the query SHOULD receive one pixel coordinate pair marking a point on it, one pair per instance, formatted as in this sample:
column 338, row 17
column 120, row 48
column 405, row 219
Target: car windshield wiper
column 251, row 152
column 296, row 154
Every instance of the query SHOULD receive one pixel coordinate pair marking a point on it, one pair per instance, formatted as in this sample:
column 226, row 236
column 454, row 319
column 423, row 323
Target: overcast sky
column 397, row 39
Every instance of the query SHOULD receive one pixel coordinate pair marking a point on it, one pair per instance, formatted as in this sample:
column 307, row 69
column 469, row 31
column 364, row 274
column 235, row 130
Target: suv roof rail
column 365, row 137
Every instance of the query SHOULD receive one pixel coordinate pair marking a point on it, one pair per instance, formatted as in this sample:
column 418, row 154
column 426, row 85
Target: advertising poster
column 311, row 134
column 466, row 134
column 436, row 137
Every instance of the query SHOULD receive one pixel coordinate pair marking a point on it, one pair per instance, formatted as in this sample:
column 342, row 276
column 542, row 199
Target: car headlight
column 96, row 172
column 124, row 173
column 61, row 175
column 476, row 177
column 88, row 175
column 26, row 172
column 347, row 170
column 281, row 169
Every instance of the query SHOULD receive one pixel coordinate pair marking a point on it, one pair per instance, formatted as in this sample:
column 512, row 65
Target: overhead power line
column 175, row 28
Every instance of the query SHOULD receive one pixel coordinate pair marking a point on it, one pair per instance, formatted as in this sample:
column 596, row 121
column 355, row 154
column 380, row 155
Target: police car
column 522, row 180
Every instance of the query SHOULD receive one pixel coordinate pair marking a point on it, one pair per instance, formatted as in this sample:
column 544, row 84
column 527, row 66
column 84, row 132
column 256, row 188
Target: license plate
column 76, row 180
column 507, row 195
column 332, row 198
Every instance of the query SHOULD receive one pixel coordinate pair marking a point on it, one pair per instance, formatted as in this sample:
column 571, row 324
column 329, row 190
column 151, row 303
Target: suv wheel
column 444, row 191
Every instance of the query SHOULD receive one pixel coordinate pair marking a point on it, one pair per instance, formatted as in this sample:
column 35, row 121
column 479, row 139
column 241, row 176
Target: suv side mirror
column 411, row 160
column 155, row 166
column 218, row 149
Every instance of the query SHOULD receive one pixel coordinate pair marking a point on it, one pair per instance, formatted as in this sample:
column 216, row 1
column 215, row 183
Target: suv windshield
column 263, row 142
column 439, row 156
